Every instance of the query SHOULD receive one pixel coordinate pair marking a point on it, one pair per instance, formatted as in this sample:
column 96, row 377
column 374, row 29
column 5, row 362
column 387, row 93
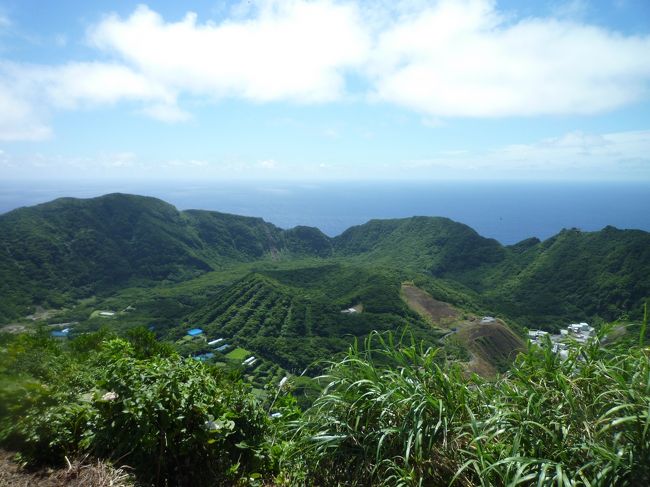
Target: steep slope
column 53, row 253
column 434, row 245
column 84, row 246
column 572, row 276
column 88, row 245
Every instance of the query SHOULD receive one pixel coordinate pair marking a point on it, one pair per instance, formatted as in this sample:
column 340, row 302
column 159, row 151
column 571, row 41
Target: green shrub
column 176, row 421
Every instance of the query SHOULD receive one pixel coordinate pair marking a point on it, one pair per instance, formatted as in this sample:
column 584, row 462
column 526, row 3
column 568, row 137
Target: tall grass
column 396, row 414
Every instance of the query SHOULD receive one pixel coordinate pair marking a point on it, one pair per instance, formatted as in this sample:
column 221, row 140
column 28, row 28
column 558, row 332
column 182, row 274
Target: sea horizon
column 506, row 211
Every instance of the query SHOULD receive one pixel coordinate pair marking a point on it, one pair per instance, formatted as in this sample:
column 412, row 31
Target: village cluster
column 218, row 345
column 579, row 332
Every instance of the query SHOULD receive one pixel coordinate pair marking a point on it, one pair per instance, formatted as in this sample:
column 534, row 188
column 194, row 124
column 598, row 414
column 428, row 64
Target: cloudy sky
column 325, row 90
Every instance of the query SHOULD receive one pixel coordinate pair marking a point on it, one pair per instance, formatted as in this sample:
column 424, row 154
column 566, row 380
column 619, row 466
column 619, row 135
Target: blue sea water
column 506, row 211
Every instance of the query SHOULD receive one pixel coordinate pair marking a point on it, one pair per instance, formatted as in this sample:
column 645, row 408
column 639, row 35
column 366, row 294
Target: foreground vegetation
column 391, row 412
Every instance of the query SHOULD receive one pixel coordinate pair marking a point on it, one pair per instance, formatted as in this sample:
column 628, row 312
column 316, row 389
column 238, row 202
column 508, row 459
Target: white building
column 537, row 333
column 581, row 329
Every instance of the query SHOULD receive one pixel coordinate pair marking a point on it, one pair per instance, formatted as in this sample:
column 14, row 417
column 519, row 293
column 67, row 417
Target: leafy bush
column 174, row 420
column 390, row 413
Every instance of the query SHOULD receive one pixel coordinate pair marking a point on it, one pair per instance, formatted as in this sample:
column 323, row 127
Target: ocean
column 506, row 211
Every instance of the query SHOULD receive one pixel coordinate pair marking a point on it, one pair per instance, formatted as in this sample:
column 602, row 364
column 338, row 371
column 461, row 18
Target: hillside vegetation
column 55, row 253
column 295, row 317
column 76, row 248
column 357, row 360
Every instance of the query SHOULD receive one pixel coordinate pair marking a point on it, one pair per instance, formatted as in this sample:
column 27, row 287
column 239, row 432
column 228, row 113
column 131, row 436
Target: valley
column 121, row 261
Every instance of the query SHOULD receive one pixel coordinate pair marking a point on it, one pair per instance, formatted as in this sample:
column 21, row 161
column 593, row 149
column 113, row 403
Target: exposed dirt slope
column 435, row 312
column 492, row 346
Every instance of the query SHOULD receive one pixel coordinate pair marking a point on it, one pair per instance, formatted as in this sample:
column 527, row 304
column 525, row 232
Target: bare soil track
column 493, row 346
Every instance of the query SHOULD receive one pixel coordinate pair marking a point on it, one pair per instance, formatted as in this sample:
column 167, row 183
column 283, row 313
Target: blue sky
column 325, row 90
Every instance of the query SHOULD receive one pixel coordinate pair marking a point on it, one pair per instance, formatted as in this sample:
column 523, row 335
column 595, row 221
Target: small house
column 249, row 361
column 537, row 333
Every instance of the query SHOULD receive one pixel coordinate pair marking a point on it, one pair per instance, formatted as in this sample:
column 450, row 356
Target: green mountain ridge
column 100, row 244
column 73, row 248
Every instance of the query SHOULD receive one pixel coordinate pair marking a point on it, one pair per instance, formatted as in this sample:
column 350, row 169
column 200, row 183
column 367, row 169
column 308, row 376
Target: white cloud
column 442, row 59
column 288, row 50
column 30, row 93
column 166, row 112
column 19, row 119
column 4, row 21
column 450, row 58
column 572, row 156
column 82, row 84
column 463, row 59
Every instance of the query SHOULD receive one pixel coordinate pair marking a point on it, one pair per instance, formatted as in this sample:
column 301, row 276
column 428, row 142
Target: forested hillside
column 55, row 253
column 574, row 275
column 76, row 248
column 297, row 317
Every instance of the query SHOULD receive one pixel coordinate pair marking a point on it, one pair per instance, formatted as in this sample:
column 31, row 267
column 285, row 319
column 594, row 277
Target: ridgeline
column 55, row 253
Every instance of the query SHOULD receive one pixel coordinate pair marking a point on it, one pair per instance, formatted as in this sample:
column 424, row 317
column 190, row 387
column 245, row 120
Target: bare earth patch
column 84, row 473
column 436, row 312
column 492, row 346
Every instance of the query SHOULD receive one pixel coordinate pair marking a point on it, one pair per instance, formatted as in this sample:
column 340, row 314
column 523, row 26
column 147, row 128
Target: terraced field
column 297, row 325
column 493, row 346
